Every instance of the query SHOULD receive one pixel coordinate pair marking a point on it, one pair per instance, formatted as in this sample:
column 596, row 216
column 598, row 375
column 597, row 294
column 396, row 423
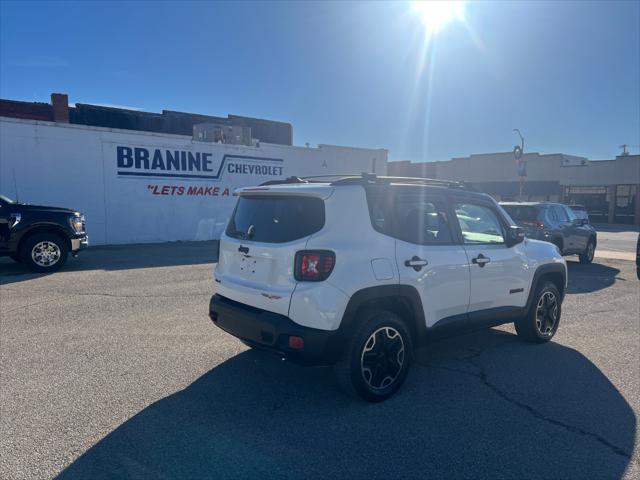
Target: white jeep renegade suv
column 355, row 272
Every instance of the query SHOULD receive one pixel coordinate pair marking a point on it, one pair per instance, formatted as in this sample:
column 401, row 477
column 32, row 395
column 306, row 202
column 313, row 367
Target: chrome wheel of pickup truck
column 46, row 253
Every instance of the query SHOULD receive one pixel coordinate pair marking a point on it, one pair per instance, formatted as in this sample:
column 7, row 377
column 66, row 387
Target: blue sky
column 361, row 74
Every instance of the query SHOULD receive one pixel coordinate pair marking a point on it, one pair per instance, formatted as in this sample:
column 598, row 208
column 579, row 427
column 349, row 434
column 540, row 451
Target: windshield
column 6, row 199
column 521, row 212
column 276, row 219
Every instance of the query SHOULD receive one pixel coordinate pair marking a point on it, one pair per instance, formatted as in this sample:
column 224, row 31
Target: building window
column 625, row 203
column 595, row 199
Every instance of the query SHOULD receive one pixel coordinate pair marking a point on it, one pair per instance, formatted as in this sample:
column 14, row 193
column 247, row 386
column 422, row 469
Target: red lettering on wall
column 192, row 191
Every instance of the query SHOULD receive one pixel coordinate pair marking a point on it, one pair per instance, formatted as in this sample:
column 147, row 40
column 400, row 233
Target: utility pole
column 518, row 152
column 625, row 150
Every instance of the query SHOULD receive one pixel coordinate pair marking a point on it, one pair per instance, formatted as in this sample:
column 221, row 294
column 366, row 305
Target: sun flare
column 436, row 14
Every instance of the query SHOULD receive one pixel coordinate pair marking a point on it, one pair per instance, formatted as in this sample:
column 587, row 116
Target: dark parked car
column 38, row 236
column 581, row 212
column 555, row 223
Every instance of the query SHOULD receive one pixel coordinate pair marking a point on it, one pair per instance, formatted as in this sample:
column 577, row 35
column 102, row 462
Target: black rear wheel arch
column 402, row 300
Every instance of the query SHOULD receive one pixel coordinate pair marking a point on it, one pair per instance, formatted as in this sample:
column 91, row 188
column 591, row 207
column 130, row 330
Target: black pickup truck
column 40, row 237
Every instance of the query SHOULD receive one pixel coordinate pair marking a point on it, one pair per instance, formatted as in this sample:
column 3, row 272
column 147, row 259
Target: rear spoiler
column 305, row 190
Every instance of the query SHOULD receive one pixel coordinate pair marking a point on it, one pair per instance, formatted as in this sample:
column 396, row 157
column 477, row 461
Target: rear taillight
column 535, row 223
column 314, row 265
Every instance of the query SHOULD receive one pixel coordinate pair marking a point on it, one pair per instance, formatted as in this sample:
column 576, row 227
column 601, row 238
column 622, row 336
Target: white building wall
column 77, row 166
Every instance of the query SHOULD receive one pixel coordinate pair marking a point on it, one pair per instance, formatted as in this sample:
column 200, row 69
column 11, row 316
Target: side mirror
column 515, row 235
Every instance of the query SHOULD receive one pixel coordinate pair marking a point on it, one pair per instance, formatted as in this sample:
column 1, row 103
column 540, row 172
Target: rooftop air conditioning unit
column 216, row 133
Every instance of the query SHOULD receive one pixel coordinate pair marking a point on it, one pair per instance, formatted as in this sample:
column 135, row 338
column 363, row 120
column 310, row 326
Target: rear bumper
column 271, row 331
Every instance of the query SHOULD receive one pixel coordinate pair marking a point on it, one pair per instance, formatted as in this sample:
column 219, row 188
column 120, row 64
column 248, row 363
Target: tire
column 44, row 252
column 385, row 340
column 540, row 324
column 589, row 252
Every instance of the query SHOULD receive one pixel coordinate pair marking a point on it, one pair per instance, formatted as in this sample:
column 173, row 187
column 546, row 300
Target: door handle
column 416, row 263
column 480, row 260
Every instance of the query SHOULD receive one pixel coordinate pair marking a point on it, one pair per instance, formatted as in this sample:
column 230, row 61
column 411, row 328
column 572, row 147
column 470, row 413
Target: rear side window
column 276, row 219
column 409, row 214
column 521, row 213
column 422, row 221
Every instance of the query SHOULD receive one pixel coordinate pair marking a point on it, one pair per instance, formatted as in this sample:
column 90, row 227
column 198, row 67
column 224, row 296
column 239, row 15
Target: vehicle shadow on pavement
column 121, row 257
column 585, row 278
column 483, row 405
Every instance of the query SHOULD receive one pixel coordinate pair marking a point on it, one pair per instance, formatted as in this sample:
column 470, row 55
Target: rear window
column 276, row 219
column 521, row 212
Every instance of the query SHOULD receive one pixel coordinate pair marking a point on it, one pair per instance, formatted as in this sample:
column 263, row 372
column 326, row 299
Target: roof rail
column 365, row 179
column 285, row 181
column 372, row 178
column 311, row 179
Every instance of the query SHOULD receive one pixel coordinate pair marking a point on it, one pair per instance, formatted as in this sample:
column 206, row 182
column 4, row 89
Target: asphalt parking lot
column 112, row 369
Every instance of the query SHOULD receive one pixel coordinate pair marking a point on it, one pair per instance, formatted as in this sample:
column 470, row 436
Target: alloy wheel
column 45, row 253
column 547, row 314
column 382, row 358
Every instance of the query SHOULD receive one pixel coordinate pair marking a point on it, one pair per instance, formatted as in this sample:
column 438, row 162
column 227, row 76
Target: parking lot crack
column 191, row 295
column 113, row 295
column 23, row 307
column 483, row 377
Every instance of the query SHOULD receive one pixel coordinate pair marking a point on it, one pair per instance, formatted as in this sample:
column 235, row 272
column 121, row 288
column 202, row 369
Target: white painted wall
column 76, row 166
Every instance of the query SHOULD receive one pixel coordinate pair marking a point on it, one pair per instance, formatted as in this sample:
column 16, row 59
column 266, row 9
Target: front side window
column 560, row 213
column 479, row 224
column 570, row 213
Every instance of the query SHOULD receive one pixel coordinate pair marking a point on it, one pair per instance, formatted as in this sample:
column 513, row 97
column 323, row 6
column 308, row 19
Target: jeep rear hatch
column 257, row 251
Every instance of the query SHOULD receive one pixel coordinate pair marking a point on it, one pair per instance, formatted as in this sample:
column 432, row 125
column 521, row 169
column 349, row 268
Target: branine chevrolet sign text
column 166, row 163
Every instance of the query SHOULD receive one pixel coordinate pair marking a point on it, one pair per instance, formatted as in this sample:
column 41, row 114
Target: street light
column 518, row 151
